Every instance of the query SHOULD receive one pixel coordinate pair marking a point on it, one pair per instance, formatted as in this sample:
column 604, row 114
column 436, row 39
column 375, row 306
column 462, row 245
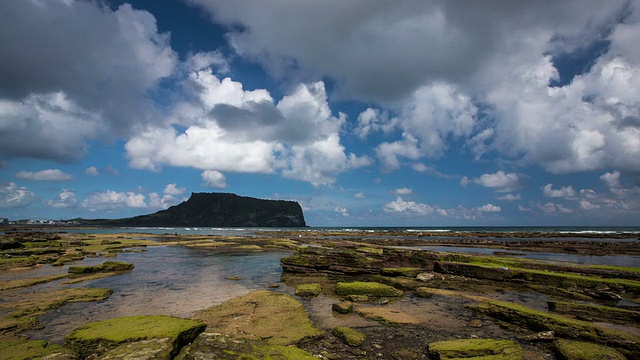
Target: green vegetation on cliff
column 220, row 209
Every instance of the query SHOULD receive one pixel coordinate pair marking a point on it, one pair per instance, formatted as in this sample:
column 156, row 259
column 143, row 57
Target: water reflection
column 167, row 280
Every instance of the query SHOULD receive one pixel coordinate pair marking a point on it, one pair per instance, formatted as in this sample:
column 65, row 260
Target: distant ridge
column 219, row 210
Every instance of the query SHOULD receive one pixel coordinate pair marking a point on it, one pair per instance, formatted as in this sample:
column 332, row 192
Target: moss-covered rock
column 262, row 315
column 152, row 349
column 367, row 288
column 38, row 303
column 107, row 266
column 626, row 343
column 11, row 324
column 349, row 336
column 224, row 347
column 68, row 258
column 343, row 307
column 560, row 279
column 308, row 290
column 595, row 312
column 21, row 283
column 358, row 298
column 476, row 349
column 578, row 350
column 387, row 315
column 20, row 349
column 101, row 336
column 404, row 271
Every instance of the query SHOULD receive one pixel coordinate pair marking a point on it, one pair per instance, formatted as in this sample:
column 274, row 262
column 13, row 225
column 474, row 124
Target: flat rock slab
column 579, row 350
column 349, row 336
column 476, row 349
column 99, row 337
column 262, row 315
column 367, row 288
column 215, row 346
column 308, row 290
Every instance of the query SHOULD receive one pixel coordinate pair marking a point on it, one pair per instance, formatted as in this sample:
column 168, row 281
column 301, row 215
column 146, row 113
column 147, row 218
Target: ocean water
column 604, row 230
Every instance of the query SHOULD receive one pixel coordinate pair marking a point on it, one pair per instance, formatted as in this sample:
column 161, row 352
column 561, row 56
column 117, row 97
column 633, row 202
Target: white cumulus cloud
column 342, row 211
column 44, row 175
column 298, row 137
column 408, row 207
column 403, row 191
column 92, row 171
column 66, row 199
column 173, row 189
column 563, row 192
column 113, row 200
column 499, row 181
column 58, row 93
column 14, row 196
column 488, row 208
column 214, row 179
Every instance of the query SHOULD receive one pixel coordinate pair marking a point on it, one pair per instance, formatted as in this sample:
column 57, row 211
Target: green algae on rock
column 152, row 349
column 578, row 350
column 101, row 336
column 40, row 302
column 595, row 312
column 626, row 343
column 349, row 336
column 107, row 266
column 367, row 288
column 224, row 347
column 405, row 271
column 20, row 349
column 476, row 349
column 11, row 324
column 262, row 315
column 343, row 307
column 22, row 283
column 308, row 290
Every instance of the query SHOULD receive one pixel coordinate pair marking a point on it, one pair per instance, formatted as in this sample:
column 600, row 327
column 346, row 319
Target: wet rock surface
column 404, row 303
column 95, row 339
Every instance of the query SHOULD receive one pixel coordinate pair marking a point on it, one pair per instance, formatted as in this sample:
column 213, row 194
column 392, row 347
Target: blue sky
column 368, row 113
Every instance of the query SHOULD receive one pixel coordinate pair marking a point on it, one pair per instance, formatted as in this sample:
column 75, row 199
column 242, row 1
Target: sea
column 247, row 231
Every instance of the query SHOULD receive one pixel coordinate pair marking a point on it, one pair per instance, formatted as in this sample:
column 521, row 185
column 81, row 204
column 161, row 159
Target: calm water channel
column 169, row 280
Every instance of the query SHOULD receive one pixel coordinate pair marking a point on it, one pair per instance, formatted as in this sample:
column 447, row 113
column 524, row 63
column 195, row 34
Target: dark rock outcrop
column 220, row 209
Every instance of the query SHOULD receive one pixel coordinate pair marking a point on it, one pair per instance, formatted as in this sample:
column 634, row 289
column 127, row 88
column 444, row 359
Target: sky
column 366, row 112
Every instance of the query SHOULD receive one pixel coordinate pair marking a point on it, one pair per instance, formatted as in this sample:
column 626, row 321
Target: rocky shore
column 342, row 296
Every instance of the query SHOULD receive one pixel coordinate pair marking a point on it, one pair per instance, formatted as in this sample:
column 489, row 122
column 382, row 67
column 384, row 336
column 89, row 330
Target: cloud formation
column 44, row 175
column 408, row 207
column 66, row 199
column 214, row 179
column 104, row 64
column 113, row 200
column 499, row 181
column 489, row 82
column 13, row 196
column 233, row 130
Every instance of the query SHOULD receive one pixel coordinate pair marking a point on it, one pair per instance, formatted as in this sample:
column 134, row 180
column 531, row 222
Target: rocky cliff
column 221, row 210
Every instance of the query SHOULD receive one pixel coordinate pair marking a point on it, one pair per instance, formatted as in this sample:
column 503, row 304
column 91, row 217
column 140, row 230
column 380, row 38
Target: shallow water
column 178, row 281
column 167, row 280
